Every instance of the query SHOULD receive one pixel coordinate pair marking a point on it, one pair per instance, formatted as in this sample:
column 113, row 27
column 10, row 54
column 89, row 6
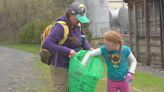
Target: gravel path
column 150, row 69
column 17, row 71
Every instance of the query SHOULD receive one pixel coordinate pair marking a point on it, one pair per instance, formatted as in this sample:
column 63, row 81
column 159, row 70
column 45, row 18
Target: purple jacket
column 51, row 44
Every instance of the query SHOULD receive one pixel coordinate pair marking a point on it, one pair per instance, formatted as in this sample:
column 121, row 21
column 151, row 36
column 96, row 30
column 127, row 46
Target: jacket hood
column 62, row 18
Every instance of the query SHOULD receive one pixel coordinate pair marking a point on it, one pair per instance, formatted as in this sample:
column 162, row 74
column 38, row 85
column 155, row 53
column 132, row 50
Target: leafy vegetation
column 31, row 32
column 20, row 16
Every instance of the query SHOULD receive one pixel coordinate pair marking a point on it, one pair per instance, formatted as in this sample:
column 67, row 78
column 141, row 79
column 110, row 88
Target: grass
column 147, row 82
column 45, row 76
column 144, row 82
column 33, row 48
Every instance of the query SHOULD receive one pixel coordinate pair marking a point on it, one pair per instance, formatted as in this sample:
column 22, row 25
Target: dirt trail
column 18, row 72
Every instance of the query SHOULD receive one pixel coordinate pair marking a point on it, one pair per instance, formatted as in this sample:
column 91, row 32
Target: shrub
column 88, row 32
column 31, row 32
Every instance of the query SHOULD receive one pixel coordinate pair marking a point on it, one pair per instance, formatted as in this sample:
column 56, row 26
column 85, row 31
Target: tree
column 15, row 14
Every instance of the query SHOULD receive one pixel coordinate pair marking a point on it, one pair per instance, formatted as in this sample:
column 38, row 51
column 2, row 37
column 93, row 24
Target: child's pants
column 118, row 86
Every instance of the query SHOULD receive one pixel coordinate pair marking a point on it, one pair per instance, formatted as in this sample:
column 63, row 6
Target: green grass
column 33, row 48
column 45, row 76
column 145, row 82
column 102, row 84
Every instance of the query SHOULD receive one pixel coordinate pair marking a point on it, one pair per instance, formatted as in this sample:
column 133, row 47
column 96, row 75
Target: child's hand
column 129, row 77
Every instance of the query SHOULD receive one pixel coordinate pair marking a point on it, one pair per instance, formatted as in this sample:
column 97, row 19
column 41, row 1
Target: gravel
column 18, row 72
column 150, row 69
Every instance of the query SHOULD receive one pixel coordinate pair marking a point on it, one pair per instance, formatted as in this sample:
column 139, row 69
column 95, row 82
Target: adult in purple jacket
column 75, row 17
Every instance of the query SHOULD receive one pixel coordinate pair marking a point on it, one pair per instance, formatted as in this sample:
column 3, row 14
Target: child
column 116, row 56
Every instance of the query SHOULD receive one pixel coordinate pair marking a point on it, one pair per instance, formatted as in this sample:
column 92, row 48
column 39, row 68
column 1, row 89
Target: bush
column 31, row 32
column 88, row 32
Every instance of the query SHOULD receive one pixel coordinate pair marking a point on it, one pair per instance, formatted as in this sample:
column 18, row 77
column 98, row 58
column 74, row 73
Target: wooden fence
column 146, row 31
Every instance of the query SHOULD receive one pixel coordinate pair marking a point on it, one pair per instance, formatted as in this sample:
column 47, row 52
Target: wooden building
column 146, row 31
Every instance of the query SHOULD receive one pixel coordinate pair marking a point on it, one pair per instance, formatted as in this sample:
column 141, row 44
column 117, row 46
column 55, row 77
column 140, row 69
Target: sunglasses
column 81, row 12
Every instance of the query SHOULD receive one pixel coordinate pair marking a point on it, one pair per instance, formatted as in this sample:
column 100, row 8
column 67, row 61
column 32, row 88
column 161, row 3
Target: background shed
column 146, row 31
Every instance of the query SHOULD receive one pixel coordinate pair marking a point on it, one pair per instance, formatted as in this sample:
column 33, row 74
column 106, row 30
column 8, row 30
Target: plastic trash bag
column 84, row 78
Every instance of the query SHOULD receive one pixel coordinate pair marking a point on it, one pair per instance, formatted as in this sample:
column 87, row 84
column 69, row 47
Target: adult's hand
column 91, row 49
column 72, row 53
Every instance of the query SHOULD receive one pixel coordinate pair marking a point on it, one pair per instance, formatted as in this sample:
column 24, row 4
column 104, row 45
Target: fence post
column 161, row 3
column 147, row 32
column 135, row 30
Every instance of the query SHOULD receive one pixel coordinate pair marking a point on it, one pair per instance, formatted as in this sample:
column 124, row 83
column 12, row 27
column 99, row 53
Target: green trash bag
column 84, row 78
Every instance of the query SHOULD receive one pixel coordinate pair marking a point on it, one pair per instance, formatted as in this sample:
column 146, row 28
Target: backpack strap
column 66, row 32
column 45, row 33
